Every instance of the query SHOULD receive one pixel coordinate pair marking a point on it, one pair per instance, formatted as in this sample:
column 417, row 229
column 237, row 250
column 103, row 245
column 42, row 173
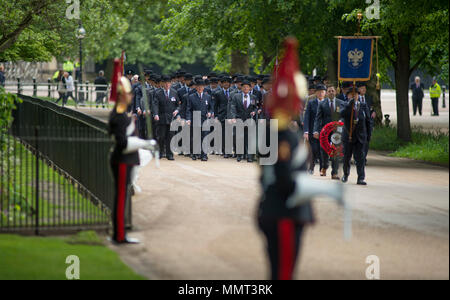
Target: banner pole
column 351, row 115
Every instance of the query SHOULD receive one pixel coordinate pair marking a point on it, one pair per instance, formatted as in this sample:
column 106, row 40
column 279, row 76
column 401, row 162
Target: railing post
column 76, row 90
column 443, row 97
column 19, row 88
column 49, row 88
column 36, row 134
column 87, row 91
column 34, row 87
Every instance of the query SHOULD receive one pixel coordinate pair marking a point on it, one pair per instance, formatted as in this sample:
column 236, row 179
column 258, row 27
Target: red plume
column 285, row 98
column 117, row 73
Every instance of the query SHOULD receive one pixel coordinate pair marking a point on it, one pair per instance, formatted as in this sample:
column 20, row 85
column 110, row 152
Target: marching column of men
column 223, row 98
column 323, row 107
column 229, row 99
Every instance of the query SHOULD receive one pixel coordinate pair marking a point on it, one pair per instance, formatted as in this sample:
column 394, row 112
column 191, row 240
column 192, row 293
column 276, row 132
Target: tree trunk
column 402, row 87
column 239, row 62
column 332, row 66
column 376, row 101
column 267, row 59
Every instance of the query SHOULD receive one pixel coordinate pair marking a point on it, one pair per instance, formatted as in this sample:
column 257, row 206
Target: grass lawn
column 425, row 146
column 60, row 202
column 45, row 258
column 70, row 102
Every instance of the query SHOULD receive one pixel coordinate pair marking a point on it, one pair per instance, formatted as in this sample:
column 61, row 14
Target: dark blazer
column 165, row 106
column 204, row 106
column 237, row 110
column 310, row 116
column 417, row 93
column 258, row 95
column 325, row 115
column 361, row 130
column 369, row 102
column 221, row 104
column 342, row 97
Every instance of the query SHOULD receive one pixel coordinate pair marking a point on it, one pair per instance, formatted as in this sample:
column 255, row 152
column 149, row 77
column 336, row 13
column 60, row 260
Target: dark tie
column 167, row 95
column 363, row 99
column 245, row 101
column 228, row 96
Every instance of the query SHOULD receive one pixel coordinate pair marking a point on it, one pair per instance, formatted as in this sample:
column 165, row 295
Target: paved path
column 196, row 221
column 388, row 106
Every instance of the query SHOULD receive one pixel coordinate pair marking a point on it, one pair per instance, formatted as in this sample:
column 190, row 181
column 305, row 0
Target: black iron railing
column 63, row 177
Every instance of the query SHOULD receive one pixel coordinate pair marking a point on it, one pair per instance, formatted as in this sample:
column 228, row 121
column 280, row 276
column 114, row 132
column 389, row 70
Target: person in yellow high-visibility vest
column 68, row 66
column 435, row 94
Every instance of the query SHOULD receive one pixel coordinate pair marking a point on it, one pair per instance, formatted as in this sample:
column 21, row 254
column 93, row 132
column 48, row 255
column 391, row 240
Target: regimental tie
column 245, row 101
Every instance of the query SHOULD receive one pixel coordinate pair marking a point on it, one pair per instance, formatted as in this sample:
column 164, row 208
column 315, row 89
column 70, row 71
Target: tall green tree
column 415, row 35
column 37, row 30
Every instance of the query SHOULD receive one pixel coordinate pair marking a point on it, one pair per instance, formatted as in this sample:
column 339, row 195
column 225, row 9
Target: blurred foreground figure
column 125, row 155
column 283, row 226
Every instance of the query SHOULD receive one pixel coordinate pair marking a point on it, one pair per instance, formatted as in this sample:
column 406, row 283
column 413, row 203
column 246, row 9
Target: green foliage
column 7, row 104
column 45, row 259
column 142, row 44
column 47, row 31
column 430, row 146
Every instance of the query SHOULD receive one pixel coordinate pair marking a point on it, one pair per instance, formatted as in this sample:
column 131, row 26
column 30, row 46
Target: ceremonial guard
column 356, row 116
column 125, row 155
column 283, row 226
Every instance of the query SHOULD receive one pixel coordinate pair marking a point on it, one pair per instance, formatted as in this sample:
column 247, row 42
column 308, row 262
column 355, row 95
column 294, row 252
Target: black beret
column 361, row 83
column 347, row 84
column 246, row 82
column 239, row 79
column 350, row 91
column 321, row 87
column 199, row 81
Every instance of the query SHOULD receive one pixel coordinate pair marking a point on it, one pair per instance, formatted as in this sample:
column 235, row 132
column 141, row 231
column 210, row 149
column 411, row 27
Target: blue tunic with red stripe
column 282, row 226
column 121, row 127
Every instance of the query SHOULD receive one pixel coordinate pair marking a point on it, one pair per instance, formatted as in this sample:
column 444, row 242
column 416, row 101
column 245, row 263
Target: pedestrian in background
column 2, row 76
column 435, row 94
column 100, row 88
column 69, row 88
column 61, row 86
column 417, row 95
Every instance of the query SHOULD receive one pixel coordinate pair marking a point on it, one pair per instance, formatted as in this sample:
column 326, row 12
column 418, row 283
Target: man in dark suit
column 328, row 111
column 221, row 99
column 199, row 102
column 356, row 134
column 166, row 108
column 254, row 90
column 308, row 125
column 362, row 89
column 417, row 95
column 243, row 107
column 345, row 88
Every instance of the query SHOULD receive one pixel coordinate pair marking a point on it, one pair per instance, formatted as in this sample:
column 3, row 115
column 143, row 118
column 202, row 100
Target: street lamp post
column 81, row 34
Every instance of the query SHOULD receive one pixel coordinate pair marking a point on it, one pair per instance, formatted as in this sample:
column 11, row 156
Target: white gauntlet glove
column 134, row 144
